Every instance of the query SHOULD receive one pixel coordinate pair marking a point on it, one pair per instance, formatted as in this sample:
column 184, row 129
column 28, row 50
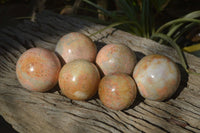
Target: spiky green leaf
column 116, row 24
column 177, row 21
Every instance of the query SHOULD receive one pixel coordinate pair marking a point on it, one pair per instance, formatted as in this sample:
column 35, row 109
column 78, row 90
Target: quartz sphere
column 116, row 58
column 37, row 69
column 76, row 46
column 79, row 79
column 157, row 77
column 117, row 91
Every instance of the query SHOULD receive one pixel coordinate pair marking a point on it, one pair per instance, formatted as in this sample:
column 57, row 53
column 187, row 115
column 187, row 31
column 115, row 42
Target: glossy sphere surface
column 37, row 69
column 76, row 46
column 157, row 77
column 79, row 79
column 116, row 58
column 117, row 91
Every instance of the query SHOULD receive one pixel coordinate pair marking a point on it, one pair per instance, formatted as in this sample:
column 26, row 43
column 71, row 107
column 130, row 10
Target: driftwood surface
column 51, row 112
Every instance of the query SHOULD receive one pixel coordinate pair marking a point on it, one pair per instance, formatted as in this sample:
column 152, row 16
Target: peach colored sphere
column 79, row 79
column 114, row 58
column 157, row 77
column 37, row 69
column 117, row 91
column 76, row 46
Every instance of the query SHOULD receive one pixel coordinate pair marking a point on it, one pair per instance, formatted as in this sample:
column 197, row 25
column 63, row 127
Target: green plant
column 175, row 29
column 134, row 16
column 138, row 17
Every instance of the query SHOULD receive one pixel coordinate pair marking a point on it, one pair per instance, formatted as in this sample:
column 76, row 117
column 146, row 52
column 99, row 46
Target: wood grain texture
column 51, row 112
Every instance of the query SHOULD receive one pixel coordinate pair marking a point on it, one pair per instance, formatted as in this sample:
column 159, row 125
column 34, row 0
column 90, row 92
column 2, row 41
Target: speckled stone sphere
column 79, row 79
column 76, row 46
column 157, row 77
column 116, row 58
column 37, row 69
column 117, row 91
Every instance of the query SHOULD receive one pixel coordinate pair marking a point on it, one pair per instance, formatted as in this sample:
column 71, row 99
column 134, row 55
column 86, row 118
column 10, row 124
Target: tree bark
column 52, row 112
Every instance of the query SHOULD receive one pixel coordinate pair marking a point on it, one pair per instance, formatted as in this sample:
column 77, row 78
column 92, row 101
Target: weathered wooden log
column 52, row 112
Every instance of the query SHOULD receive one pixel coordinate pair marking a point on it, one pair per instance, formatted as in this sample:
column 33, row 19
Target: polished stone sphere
column 74, row 46
column 157, row 77
column 79, row 79
column 37, row 69
column 117, row 91
column 115, row 58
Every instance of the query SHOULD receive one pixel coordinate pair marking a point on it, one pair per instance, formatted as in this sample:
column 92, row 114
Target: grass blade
column 147, row 18
column 180, row 20
column 128, row 9
column 98, row 7
column 195, row 14
column 192, row 15
column 174, row 28
column 144, row 17
column 114, row 25
column 160, row 4
column 186, row 28
column 174, row 45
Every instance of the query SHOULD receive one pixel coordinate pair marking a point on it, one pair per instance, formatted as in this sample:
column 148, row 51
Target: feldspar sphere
column 117, row 91
column 157, row 77
column 37, row 69
column 79, row 79
column 116, row 58
column 76, row 46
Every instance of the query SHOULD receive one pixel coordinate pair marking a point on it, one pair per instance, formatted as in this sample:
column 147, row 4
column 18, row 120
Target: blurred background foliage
column 150, row 19
column 169, row 22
